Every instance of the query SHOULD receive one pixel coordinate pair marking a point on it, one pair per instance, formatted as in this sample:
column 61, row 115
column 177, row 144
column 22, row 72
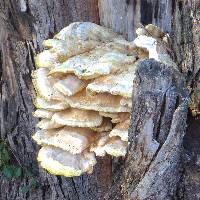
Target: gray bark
column 153, row 163
column 158, row 119
column 24, row 25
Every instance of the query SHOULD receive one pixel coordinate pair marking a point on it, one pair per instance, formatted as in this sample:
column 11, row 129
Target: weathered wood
column 24, row 24
column 161, row 93
column 152, row 166
column 120, row 15
column 181, row 20
column 178, row 18
column 125, row 16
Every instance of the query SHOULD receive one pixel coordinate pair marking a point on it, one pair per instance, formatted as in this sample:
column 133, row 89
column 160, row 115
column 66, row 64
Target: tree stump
column 157, row 166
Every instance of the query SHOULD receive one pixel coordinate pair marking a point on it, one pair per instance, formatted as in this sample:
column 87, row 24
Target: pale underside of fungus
column 83, row 84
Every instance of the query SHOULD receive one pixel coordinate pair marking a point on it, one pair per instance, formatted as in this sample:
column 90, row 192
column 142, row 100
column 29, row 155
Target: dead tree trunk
column 153, row 163
column 157, row 166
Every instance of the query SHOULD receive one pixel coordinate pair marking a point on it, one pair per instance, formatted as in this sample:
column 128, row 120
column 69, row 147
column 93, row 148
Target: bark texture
column 24, row 25
column 153, row 163
column 159, row 117
column 157, row 131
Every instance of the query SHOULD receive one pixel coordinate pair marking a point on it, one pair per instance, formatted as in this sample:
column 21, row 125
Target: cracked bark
column 153, row 163
column 157, row 161
column 24, row 25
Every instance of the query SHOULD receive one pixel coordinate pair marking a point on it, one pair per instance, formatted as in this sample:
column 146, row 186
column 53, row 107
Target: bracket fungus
column 83, row 85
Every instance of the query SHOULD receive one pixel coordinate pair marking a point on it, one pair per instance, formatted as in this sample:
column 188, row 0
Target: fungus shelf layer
column 83, row 84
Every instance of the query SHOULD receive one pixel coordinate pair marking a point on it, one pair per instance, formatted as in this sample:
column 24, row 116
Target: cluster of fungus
column 83, row 85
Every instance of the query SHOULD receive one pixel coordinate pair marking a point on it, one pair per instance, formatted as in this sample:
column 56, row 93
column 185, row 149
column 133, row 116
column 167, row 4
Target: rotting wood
column 25, row 24
column 158, row 124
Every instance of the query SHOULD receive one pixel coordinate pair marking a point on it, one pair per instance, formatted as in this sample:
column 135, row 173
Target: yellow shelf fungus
column 83, row 84
column 60, row 162
column 121, row 130
column 72, row 139
column 78, row 118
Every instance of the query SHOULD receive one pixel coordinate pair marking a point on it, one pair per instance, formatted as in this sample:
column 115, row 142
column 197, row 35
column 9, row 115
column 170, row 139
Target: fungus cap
column 60, row 162
column 48, row 124
column 45, row 59
column 82, row 32
column 72, row 139
column 116, row 117
column 121, row 130
column 115, row 84
column 98, row 146
column 51, row 105
column 105, row 126
column 116, row 147
column 70, row 85
column 100, row 61
column 101, row 102
column 78, row 118
column 43, row 113
column 157, row 49
column 43, row 85
column 113, row 146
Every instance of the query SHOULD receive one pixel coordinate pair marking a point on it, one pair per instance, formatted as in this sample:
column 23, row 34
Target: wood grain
column 24, row 24
column 121, row 16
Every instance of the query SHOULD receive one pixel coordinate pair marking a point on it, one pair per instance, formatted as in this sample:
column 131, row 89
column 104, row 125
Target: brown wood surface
column 24, row 24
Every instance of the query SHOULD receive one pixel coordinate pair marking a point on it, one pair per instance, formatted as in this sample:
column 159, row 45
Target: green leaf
column 18, row 172
column 8, row 171
column 34, row 182
column 30, row 187
column 26, row 189
column 2, row 145
column 28, row 173
column 5, row 157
